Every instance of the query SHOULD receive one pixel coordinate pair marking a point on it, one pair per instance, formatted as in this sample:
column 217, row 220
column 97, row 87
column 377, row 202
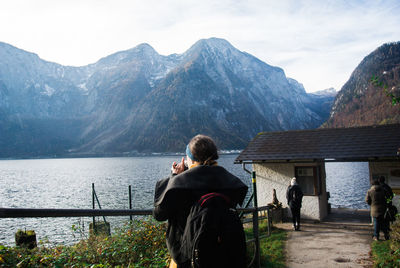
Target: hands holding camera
column 178, row 168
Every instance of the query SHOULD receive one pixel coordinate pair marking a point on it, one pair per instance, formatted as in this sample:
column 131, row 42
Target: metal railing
column 57, row 212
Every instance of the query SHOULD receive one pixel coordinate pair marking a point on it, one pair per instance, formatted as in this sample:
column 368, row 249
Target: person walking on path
column 376, row 198
column 294, row 196
column 175, row 195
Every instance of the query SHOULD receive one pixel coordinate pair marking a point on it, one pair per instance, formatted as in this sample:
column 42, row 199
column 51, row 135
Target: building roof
column 370, row 143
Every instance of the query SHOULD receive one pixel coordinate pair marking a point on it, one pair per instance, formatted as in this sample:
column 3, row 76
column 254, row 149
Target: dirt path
column 342, row 240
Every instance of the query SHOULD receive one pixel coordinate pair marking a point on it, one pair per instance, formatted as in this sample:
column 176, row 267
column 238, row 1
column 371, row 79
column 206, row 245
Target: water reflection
column 347, row 183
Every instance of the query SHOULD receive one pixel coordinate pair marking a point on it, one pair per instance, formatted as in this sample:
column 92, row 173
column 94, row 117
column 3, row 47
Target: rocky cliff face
column 41, row 107
column 32, row 87
column 360, row 102
column 138, row 100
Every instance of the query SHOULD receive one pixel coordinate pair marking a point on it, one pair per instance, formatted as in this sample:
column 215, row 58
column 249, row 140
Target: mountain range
column 138, row 101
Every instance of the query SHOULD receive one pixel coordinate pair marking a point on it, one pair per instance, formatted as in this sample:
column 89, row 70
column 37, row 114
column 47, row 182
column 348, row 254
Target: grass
column 383, row 255
column 272, row 248
column 387, row 253
column 140, row 244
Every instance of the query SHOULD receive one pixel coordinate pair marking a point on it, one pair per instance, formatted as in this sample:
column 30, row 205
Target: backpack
column 214, row 235
column 297, row 197
column 294, row 196
column 390, row 213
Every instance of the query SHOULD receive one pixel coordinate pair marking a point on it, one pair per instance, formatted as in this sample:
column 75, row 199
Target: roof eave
column 309, row 160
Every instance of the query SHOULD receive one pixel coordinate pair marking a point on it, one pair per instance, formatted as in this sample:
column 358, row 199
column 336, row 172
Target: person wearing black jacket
column 175, row 195
column 389, row 197
column 294, row 197
column 387, row 188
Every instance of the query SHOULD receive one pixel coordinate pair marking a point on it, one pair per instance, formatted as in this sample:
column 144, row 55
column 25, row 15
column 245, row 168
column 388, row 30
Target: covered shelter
column 276, row 157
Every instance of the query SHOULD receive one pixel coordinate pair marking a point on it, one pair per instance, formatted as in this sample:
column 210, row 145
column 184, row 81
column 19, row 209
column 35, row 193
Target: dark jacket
column 376, row 198
column 175, row 195
column 388, row 191
column 294, row 196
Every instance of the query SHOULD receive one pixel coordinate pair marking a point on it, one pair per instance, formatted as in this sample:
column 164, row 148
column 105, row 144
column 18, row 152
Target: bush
column 140, row 244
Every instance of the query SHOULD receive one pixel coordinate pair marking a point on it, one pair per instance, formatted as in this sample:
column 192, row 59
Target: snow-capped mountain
column 138, row 100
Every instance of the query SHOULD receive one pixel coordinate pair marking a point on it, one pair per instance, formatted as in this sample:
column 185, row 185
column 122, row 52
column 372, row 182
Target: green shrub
column 140, row 244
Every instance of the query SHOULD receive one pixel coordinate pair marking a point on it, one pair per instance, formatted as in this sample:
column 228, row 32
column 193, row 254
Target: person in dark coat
column 389, row 197
column 376, row 198
column 388, row 190
column 294, row 196
column 175, row 195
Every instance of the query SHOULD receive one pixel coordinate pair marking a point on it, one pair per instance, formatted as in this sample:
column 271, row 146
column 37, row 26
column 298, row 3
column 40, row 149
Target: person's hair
column 203, row 149
column 375, row 182
column 381, row 179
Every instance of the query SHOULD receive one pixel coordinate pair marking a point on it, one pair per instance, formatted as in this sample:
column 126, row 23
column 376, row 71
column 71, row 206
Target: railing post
column 130, row 201
column 269, row 219
column 255, row 222
column 93, row 204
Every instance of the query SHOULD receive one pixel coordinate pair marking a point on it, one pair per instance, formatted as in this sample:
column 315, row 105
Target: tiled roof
column 338, row 144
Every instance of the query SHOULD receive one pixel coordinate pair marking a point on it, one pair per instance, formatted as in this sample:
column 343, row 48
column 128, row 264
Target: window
column 309, row 179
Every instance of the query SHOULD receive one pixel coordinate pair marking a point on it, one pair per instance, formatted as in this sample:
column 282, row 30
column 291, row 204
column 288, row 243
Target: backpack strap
column 205, row 199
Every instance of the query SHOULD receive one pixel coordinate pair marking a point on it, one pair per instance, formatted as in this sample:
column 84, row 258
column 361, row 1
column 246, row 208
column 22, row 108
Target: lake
column 67, row 183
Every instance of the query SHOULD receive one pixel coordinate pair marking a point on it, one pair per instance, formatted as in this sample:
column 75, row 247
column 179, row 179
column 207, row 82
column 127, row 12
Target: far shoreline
column 108, row 155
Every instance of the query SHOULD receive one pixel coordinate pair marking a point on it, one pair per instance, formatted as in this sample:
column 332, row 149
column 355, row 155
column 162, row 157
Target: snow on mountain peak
column 326, row 92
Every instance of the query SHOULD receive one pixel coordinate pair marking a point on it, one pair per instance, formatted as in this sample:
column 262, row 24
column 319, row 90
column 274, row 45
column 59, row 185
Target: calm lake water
column 66, row 183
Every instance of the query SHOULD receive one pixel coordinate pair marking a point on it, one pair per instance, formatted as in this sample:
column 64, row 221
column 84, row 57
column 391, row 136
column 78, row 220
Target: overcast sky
column 318, row 43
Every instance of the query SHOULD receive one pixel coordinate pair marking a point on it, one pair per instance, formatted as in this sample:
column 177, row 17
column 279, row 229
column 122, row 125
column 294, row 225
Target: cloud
column 318, row 43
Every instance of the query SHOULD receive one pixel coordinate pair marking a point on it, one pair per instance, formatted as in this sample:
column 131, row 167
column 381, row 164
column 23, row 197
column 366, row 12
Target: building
column 276, row 157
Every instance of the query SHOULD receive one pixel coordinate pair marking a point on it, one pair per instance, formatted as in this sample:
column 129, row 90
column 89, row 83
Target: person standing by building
column 376, row 198
column 389, row 197
column 388, row 190
column 294, row 196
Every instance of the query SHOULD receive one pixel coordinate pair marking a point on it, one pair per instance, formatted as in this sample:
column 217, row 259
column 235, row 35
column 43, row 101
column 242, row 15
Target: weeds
column 139, row 244
column 383, row 254
column 387, row 253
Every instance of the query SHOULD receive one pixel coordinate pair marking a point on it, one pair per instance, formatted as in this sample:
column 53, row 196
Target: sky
column 319, row 43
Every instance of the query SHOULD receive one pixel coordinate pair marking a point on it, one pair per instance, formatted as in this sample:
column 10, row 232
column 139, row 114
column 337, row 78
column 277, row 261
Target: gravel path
column 342, row 240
